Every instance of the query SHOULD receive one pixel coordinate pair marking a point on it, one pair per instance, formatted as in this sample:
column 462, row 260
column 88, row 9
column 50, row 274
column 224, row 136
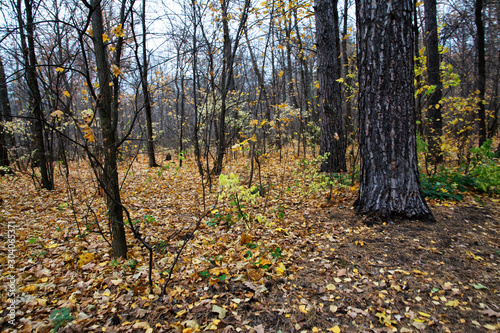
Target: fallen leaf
column 220, row 310
column 491, row 313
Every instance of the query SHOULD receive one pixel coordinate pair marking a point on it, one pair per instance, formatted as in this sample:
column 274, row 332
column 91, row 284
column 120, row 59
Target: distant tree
column 4, row 115
column 329, row 71
column 434, row 117
column 389, row 182
column 481, row 69
column 27, row 34
column 143, row 67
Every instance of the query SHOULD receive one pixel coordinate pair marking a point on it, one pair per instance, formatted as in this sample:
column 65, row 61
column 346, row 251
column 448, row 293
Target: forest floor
column 312, row 265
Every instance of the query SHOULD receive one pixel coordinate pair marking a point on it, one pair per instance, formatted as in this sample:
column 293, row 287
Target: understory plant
column 481, row 173
column 238, row 195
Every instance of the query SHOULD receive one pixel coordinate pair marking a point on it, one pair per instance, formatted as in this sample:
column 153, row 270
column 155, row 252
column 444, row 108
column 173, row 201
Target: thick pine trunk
column 389, row 183
column 328, row 55
column 105, row 108
column 433, row 78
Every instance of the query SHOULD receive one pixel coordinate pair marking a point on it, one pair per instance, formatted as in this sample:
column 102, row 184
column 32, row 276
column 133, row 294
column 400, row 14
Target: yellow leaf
column 302, row 308
column 118, row 30
column 90, row 32
column 452, row 303
column 105, row 38
column 29, row 288
column 59, row 69
column 66, row 93
column 340, row 80
column 253, row 138
column 281, row 73
column 330, row 287
column 281, row 268
column 116, row 70
column 416, row 271
column 87, row 132
column 335, row 329
column 51, row 246
column 236, row 147
column 85, row 258
column 423, row 314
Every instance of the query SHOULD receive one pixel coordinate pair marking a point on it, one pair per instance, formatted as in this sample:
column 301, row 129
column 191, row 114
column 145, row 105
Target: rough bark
column 108, row 121
column 328, row 55
column 389, row 182
column 481, row 70
column 433, row 78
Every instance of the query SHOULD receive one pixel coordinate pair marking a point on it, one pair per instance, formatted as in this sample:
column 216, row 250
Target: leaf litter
column 313, row 265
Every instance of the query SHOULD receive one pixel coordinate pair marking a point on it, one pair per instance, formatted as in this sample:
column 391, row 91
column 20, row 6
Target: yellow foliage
column 85, row 258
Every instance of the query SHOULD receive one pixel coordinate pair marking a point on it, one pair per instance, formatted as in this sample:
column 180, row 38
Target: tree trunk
column 108, row 121
column 389, row 184
column 481, row 70
column 145, row 91
column 328, row 55
column 40, row 154
column 4, row 115
column 433, row 78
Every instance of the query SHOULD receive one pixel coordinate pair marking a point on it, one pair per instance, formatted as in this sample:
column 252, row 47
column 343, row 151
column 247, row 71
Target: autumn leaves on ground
column 283, row 257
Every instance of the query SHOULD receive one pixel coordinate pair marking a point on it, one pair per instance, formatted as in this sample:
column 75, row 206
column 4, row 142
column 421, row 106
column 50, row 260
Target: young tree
column 328, row 55
column 389, row 184
column 433, row 78
column 108, row 114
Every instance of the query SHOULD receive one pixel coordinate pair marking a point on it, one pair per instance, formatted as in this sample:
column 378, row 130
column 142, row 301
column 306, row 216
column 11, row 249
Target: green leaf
column 478, row 286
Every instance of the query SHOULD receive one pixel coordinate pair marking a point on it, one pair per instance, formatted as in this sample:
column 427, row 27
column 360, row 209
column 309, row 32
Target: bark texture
column 328, row 55
column 433, row 78
column 389, row 183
